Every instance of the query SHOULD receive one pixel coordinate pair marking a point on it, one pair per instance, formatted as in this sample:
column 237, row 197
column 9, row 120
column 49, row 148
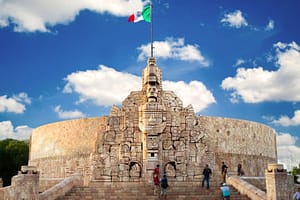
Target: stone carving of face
column 152, row 92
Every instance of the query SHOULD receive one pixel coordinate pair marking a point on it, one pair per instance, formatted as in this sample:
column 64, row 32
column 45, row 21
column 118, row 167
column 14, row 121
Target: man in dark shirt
column 224, row 172
column 206, row 175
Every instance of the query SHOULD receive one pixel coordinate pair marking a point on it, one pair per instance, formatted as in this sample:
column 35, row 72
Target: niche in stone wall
column 135, row 170
column 170, row 169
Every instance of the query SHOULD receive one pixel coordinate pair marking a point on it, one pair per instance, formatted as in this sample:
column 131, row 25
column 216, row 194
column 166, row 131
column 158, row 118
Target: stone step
column 142, row 191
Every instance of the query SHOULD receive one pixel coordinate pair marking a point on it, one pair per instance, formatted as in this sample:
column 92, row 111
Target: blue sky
column 234, row 59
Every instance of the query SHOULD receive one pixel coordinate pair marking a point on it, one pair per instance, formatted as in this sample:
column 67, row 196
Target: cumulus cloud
column 258, row 85
column 106, row 86
column 286, row 121
column 234, row 19
column 287, row 150
column 270, row 26
column 36, row 15
column 173, row 48
column 70, row 114
column 7, row 130
column 14, row 104
column 194, row 93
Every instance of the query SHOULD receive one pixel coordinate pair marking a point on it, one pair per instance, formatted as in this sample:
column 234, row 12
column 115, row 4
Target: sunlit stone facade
column 151, row 127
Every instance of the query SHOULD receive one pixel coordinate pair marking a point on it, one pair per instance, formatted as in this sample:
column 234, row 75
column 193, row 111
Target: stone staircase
column 145, row 191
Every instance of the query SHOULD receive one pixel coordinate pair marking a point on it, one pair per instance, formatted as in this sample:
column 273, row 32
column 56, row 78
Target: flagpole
column 151, row 29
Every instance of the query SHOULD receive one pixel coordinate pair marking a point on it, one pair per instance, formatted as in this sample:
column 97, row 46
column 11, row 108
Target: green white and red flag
column 145, row 15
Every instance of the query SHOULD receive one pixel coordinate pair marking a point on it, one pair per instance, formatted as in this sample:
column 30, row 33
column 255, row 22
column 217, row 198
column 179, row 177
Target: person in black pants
column 206, row 175
column 224, row 172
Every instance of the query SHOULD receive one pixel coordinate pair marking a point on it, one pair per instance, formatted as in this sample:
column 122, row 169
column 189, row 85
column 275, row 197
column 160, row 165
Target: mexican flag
column 141, row 15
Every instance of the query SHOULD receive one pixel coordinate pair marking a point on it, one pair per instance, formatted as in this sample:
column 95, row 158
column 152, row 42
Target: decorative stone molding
column 275, row 167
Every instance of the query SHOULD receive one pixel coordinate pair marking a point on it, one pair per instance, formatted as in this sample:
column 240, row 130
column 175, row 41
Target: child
column 225, row 191
column 163, row 187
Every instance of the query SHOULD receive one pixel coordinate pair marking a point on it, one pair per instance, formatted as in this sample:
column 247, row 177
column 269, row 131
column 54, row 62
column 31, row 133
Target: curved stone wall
column 63, row 148
column 239, row 141
column 65, row 138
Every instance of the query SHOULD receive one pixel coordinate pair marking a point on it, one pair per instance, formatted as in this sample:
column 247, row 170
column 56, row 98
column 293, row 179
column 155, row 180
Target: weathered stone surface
column 25, row 185
column 279, row 184
column 151, row 127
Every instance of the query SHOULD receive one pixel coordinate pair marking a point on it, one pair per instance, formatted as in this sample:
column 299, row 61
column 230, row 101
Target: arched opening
column 170, row 169
column 135, row 170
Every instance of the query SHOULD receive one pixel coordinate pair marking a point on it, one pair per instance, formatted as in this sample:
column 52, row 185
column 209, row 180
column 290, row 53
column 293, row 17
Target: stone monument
column 151, row 127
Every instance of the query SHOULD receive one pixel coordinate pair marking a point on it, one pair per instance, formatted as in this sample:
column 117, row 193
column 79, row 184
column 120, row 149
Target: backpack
column 164, row 183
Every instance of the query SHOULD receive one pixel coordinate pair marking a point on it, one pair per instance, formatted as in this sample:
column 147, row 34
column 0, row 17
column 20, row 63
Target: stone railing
column 246, row 188
column 23, row 186
column 62, row 187
column 259, row 182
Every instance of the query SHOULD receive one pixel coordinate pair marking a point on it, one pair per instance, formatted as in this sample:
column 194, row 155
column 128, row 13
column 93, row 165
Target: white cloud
column 15, row 104
column 286, row 121
column 7, row 130
column 234, row 19
column 71, row 114
column 270, row 26
column 36, row 15
column 194, row 93
column 258, row 85
column 288, row 152
column 174, row 49
column 239, row 62
column 106, row 86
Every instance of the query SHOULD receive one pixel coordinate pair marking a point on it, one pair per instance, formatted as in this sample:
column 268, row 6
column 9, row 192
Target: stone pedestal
column 26, row 184
column 277, row 182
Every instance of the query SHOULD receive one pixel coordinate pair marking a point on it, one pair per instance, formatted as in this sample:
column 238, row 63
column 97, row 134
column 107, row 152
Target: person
column 225, row 191
column 156, row 175
column 206, row 175
column 240, row 171
column 224, row 172
column 163, row 187
column 296, row 195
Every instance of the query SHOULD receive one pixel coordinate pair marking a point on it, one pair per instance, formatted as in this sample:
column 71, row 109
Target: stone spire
column 152, row 82
column 152, row 111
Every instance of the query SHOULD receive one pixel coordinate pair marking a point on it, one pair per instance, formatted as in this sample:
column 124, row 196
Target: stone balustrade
column 62, row 187
column 246, row 188
column 23, row 186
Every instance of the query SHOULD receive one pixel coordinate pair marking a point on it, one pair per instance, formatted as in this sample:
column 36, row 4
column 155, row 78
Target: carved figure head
column 152, row 92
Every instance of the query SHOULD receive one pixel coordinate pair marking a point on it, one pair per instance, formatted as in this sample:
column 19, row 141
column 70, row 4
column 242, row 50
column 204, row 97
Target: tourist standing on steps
column 163, row 187
column 296, row 196
column 224, row 172
column 156, row 175
column 240, row 171
column 206, row 175
column 225, row 191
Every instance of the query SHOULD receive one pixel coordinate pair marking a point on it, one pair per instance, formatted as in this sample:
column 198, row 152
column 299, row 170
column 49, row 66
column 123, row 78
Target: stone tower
column 152, row 127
